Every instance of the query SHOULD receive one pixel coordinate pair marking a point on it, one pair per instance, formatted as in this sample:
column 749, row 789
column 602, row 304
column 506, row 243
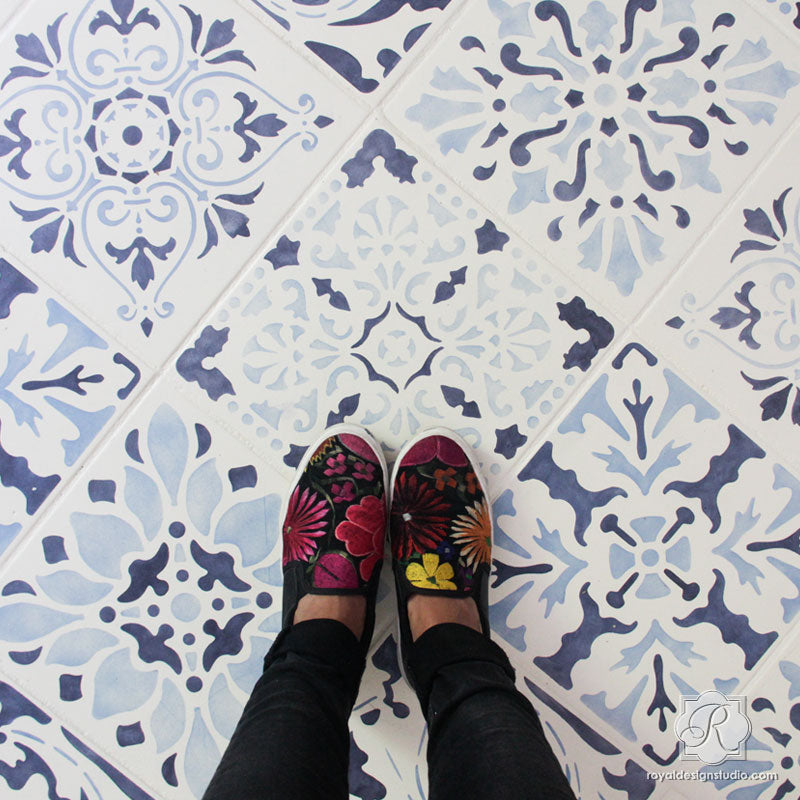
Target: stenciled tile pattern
column 148, row 148
column 39, row 757
column 150, row 597
column 647, row 549
column 361, row 41
column 610, row 136
column 392, row 302
column 61, row 384
column 569, row 229
column 732, row 316
column 786, row 15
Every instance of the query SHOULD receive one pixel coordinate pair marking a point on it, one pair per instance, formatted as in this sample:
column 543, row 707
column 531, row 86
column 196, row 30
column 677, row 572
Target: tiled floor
column 568, row 230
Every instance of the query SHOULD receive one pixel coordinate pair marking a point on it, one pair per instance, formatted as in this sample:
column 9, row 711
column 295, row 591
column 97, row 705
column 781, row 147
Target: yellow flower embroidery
column 430, row 574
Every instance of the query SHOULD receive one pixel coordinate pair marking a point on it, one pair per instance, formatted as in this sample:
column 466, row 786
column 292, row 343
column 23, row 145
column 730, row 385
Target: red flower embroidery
column 306, row 518
column 420, row 514
column 440, row 447
column 363, row 532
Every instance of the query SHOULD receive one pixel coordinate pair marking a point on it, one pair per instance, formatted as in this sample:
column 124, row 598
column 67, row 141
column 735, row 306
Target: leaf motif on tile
column 394, row 27
column 752, row 314
column 166, row 524
column 57, row 393
column 146, row 181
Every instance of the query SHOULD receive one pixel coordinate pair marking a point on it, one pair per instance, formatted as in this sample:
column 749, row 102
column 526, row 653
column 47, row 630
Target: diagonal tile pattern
column 568, row 230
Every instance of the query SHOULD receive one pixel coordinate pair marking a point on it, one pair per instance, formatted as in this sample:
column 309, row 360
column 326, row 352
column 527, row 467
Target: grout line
column 785, row 136
column 14, row 678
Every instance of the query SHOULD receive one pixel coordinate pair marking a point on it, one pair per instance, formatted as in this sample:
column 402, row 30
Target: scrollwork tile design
column 361, row 41
column 142, row 146
column 733, row 319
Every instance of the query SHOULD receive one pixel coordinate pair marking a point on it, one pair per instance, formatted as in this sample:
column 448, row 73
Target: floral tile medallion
column 610, row 136
column 392, row 302
column 143, row 608
column 646, row 550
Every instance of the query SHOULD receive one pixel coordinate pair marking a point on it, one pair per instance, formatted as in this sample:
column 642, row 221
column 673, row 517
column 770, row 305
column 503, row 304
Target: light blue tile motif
column 136, row 137
column 703, row 564
column 148, row 604
column 612, row 117
column 60, row 385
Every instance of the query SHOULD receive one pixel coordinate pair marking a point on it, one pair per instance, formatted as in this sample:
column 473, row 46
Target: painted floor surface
column 568, row 230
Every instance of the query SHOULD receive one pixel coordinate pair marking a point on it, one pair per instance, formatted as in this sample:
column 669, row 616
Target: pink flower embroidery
column 306, row 518
column 343, row 492
column 363, row 532
column 336, row 465
column 365, row 472
column 335, row 571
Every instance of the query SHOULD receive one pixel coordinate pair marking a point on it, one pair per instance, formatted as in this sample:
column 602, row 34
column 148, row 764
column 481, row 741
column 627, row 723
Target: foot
column 441, row 537
column 425, row 611
column 348, row 609
column 334, row 526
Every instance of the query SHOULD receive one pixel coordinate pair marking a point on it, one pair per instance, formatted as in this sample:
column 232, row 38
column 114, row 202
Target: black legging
column 292, row 741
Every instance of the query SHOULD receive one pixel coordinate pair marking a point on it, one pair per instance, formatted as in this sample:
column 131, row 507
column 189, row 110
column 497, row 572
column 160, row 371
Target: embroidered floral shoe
column 334, row 522
column 440, row 526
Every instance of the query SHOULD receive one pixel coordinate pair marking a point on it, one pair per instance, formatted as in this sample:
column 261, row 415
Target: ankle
column 350, row 610
column 425, row 611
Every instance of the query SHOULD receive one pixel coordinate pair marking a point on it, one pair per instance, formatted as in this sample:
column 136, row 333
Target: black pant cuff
column 447, row 644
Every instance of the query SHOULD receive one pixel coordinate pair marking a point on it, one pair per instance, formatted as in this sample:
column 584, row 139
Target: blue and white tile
column 774, row 713
column 41, row 758
column 610, row 138
column 62, row 383
column 141, row 610
column 784, row 14
column 646, row 549
column 731, row 317
column 393, row 301
column 363, row 43
column 149, row 148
